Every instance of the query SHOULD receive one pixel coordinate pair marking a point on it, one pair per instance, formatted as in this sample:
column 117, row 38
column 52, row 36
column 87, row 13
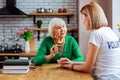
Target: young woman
column 57, row 45
column 103, row 57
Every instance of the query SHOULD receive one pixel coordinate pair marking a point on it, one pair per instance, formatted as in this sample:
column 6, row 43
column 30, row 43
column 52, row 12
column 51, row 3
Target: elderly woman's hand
column 53, row 51
column 65, row 63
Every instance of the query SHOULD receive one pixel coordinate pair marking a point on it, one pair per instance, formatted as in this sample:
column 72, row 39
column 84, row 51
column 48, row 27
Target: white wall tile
column 28, row 6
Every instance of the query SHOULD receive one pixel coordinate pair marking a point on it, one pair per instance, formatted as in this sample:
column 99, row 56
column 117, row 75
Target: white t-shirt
column 107, row 65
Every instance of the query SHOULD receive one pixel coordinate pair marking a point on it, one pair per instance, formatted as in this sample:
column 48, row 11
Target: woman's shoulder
column 67, row 37
column 47, row 38
column 101, row 31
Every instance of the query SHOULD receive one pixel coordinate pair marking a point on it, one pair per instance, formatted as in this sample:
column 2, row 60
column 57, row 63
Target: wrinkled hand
column 68, row 66
column 65, row 63
column 53, row 51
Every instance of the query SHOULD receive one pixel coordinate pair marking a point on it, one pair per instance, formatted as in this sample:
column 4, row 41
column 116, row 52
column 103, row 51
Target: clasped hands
column 63, row 62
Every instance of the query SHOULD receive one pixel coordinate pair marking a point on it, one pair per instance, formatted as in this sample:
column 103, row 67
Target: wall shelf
column 45, row 29
column 34, row 14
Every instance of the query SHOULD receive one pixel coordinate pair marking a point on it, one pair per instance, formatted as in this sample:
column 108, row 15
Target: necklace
column 60, row 44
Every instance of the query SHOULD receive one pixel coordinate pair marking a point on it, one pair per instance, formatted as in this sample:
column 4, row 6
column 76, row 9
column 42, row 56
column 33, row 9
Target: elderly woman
column 57, row 45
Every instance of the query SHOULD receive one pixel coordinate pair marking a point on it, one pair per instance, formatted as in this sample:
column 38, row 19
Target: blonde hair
column 55, row 22
column 96, row 14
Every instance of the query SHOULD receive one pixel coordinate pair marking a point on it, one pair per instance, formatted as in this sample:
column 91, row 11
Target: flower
column 118, row 25
column 25, row 32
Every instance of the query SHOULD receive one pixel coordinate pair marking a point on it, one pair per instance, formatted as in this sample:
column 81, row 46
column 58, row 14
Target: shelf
column 45, row 29
column 34, row 14
column 1, row 62
column 23, row 54
column 50, row 14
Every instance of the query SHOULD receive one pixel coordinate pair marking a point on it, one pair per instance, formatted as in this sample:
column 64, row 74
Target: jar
column 60, row 10
column 64, row 10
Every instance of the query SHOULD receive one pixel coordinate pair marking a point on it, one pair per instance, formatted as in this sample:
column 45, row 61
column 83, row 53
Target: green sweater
column 71, row 51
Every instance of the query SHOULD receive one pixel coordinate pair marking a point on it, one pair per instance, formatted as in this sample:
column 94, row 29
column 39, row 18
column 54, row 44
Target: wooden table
column 47, row 72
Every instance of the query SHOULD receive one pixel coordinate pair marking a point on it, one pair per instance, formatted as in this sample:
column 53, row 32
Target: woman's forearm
column 81, row 67
column 48, row 57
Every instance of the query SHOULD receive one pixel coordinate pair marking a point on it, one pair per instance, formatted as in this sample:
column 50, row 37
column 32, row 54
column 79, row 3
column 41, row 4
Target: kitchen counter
column 4, row 56
column 23, row 54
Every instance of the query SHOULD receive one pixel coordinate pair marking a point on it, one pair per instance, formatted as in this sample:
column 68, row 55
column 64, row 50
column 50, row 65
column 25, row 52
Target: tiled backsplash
column 28, row 6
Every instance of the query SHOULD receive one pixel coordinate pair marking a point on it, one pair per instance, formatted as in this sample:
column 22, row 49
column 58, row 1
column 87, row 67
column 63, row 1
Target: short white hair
column 53, row 22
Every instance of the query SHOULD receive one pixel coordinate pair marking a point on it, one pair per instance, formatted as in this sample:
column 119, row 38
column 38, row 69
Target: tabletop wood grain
column 47, row 72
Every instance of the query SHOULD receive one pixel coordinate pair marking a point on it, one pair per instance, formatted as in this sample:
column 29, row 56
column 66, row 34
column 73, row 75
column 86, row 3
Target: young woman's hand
column 65, row 63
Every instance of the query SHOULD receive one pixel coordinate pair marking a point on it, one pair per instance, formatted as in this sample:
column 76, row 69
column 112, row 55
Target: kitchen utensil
column 11, row 37
column 17, row 37
column 40, row 10
column 65, row 10
column 49, row 10
column 3, row 37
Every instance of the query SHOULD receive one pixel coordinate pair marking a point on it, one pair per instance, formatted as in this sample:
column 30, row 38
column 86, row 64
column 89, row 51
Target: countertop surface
column 31, row 53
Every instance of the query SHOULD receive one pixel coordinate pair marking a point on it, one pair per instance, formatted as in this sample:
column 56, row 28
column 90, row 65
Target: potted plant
column 39, row 23
column 26, row 33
